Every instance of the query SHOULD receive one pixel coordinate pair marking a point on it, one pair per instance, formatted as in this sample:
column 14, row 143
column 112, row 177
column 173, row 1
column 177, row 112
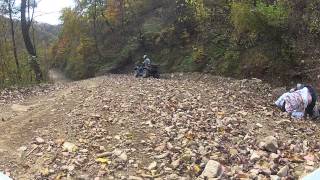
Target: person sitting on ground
column 299, row 101
column 146, row 61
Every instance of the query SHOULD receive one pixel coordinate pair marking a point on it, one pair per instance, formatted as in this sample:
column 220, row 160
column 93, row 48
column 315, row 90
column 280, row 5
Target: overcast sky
column 49, row 11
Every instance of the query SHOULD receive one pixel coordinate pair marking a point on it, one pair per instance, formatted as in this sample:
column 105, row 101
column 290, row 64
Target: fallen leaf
column 102, row 160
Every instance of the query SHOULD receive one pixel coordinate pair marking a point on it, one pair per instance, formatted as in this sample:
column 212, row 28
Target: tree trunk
column 14, row 46
column 34, row 39
column 95, row 29
column 25, row 27
column 103, row 3
column 122, row 13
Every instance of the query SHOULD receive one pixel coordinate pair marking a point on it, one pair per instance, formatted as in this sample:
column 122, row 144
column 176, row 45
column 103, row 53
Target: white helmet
column 145, row 56
column 299, row 86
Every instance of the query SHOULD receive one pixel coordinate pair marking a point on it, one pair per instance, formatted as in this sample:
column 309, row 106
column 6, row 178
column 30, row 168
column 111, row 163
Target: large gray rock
column 175, row 164
column 270, row 144
column 283, row 172
column 152, row 166
column 39, row 140
column 123, row 157
column 275, row 177
column 20, row 108
column 134, row 178
column 255, row 156
column 213, row 169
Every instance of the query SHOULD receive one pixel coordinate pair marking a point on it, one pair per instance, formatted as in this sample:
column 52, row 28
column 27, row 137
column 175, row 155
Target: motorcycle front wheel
column 145, row 73
column 136, row 74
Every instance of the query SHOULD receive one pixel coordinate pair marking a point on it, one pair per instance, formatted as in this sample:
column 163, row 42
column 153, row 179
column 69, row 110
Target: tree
column 10, row 4
column 95, row 33
column 25, row 27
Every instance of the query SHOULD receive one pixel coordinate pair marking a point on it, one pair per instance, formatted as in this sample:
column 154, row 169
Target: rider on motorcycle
column 146, row 61
column 146, row 69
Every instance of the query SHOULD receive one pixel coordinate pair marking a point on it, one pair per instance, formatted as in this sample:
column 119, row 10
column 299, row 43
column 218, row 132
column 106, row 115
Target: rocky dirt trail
column 182, row 127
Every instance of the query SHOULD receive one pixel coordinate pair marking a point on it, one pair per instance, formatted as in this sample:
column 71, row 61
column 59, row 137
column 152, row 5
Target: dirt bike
column 147, row 71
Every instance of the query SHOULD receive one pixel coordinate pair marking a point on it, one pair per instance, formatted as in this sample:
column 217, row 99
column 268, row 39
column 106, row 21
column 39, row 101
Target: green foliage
column 43, row 35
column 127, row 52
column 275, row 15
column 71, row 25
column 76, row 68
column 228, row 37
column 231, row 55
column 192, row 14
column 182, row 35
column 187, row 64
column 247, row 18
column 231, row 63
column 198, row 54
column 152, row 25
column 242, row 17
column 191, row 9
column 75, row 51
column 313, row 17
column 190, row 59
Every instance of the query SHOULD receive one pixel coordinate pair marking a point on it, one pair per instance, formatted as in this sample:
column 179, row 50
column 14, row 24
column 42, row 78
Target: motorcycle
column 147, row 71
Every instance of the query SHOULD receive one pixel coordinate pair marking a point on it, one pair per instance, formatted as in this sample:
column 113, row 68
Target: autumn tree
column 26, row 22
column 10, row 4
column 7, row 9
column 191, row 14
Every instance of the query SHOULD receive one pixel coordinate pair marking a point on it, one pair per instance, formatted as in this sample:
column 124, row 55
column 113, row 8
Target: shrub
column 251, row 19
column 231, row 63
column 198, row 54
column 191, row 15
column 312, row 17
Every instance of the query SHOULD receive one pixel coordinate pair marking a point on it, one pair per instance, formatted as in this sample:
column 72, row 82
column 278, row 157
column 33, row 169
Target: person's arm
column 298, row 87
column 297, row 115
column 280, row 101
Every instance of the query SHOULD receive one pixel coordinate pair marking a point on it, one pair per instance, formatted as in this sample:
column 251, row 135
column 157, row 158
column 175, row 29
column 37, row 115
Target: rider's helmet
column 145, row 56
column 300, row 86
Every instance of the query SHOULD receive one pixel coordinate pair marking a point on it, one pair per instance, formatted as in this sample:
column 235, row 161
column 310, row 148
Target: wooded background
column 268, row 39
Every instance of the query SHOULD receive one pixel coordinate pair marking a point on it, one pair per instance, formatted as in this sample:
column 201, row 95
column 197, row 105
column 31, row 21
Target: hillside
column 47, row 32
column 43, row 32
column 209, row 116
column 272, row 40
column 121, row 127
column 43, row 35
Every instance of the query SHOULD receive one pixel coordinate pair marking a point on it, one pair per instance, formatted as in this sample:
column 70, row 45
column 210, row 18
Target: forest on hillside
column 16, row 66
column 268, row 39
column 244, row 38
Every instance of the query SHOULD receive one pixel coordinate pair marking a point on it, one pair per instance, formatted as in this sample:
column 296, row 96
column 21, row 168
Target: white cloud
column 49, row 11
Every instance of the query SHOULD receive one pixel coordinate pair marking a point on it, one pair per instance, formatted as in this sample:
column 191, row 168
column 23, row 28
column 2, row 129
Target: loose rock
column 39, row 140
column 255, row 156
column 134, row 178
column 70, row 147
column 123, row 157
column 213, row 169
column 152, row 166
column 175, row 164
column 270, row 144
column 283, row 172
